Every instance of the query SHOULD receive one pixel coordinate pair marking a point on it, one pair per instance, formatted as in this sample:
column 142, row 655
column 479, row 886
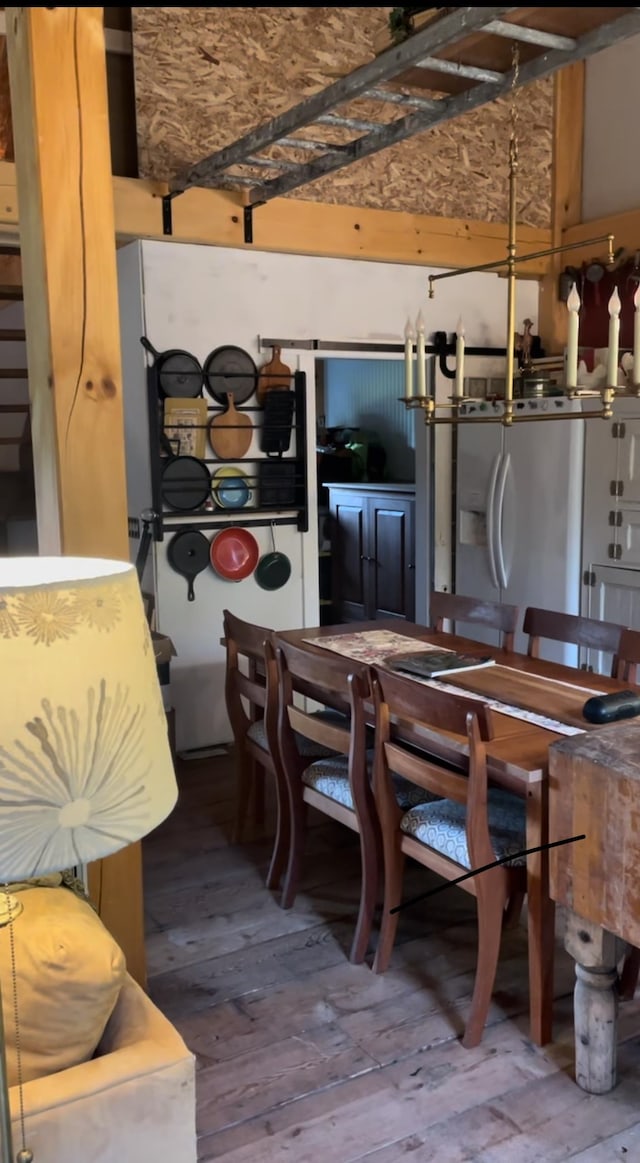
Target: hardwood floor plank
column 419, row 1091
column 255, row 1082
column 625, row 1145
column 580, row 1122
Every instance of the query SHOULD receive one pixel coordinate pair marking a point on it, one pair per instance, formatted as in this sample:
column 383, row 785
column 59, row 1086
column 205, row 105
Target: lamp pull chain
column 24, row 1154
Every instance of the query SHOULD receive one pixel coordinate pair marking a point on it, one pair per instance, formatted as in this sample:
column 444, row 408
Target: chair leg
column 629, row 976
column 490, row 913
column 370, row 863
column 512, row 912
column 282, row 838
column 259, row 803
column 245, row 783
column 297, row 829
column 393, row 878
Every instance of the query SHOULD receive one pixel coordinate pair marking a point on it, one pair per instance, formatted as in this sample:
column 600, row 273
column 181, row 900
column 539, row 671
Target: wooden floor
column 305, row 1058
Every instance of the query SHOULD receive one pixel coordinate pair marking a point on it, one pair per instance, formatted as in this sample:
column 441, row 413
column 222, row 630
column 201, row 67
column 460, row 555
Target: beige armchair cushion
column 69, row 972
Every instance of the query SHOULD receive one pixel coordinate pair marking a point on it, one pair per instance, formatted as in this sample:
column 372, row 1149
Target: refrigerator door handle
column 491, row 521
column 501, row 484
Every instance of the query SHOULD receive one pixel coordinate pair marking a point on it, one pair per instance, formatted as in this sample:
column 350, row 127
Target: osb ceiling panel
column 205, row 76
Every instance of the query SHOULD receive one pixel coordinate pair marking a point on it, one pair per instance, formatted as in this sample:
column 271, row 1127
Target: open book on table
column 436, row 663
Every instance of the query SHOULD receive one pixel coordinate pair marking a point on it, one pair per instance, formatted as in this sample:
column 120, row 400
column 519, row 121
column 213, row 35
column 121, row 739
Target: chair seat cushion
column 441, row 825
column 258, row 735
column 330, row 777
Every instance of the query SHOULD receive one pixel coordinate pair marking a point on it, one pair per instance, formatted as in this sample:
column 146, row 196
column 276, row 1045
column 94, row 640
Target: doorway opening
column 365, row 447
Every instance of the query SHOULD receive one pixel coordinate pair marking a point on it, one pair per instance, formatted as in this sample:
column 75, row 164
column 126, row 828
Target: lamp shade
column 85, row 763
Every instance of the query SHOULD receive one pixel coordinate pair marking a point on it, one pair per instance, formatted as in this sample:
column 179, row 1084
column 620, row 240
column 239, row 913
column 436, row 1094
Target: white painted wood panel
column 611, row 165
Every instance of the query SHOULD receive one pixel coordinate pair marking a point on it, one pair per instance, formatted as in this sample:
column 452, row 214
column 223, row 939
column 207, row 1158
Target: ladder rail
column 417, row 114
column 441, row 34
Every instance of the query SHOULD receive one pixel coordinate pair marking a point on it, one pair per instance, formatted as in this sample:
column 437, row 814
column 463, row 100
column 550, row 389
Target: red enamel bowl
column 234, row 554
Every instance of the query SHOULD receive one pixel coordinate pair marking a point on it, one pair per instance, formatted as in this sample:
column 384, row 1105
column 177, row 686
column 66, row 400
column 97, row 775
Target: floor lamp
column 85, row 764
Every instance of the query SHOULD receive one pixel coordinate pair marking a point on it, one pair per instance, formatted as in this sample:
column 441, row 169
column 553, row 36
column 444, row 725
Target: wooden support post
column 566, row 196
column 58, row 82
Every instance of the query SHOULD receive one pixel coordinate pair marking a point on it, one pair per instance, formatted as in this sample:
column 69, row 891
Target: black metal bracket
column 443, row 348
column 248, row 221
column 167, row 213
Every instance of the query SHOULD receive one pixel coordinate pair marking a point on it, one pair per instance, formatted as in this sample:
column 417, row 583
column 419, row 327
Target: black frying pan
column 179, row 373
column 232, row 370
column 274, row 569
column 188, row 554
column 186, row 483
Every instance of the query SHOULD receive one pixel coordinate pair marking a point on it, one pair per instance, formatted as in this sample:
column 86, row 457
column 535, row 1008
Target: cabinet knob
column 411, row 565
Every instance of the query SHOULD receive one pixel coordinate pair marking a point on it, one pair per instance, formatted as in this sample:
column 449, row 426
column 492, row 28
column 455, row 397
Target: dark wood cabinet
column 372, row 548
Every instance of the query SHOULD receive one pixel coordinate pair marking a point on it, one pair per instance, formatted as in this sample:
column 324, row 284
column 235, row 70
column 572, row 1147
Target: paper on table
column 373, row 646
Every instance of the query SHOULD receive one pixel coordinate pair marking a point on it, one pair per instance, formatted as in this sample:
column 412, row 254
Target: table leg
column 595, row 1003
column 541, row 917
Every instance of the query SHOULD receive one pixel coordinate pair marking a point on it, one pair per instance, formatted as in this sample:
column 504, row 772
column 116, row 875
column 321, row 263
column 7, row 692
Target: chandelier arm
column 504, row 262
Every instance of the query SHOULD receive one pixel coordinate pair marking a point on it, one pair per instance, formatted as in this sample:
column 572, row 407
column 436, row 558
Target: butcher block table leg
column 595, row 1002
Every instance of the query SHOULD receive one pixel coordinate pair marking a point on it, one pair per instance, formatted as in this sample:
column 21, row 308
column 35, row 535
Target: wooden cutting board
column 274, row 374
column 231, row 432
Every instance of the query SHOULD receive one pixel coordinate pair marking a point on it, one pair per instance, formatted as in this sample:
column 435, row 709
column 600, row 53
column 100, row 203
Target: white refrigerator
column 518, row 506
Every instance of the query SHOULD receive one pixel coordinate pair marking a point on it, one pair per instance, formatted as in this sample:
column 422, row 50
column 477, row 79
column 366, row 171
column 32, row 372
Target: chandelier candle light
column 409, row 337
column 459, row 381
column 421, row 356
column 614, row 338
column 573, row 307
column 455, row 412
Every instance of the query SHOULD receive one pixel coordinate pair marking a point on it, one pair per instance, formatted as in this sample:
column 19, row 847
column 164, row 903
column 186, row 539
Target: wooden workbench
column 594, row 789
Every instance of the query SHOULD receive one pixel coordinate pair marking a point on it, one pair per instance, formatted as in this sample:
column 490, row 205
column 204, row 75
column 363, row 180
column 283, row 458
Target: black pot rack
column 156, row 520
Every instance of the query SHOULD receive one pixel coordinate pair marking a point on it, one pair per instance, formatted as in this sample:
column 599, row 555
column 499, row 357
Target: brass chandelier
column 454, row 409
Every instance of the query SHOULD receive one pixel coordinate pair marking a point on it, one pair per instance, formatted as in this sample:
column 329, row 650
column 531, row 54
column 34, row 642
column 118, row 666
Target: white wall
column 611, row 169
column 198, row 298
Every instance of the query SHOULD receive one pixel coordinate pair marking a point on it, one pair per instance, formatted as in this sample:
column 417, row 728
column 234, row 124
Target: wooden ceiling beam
column 215, row 218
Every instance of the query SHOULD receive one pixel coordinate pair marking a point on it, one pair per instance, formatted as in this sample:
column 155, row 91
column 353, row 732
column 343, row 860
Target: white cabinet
column 611, row 522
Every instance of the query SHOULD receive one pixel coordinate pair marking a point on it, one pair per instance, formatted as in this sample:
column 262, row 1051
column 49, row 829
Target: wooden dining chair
column 628, row 656
column 590, row 633
column 251, row 693
column 461, row 824
column 456, row 608
column 338, row 786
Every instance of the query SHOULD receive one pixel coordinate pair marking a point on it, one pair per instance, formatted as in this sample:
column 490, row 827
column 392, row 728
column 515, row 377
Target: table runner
column 373, row 646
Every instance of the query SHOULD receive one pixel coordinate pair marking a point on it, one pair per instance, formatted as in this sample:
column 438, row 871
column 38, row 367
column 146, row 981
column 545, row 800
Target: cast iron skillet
column 179, row 372
column 188, row 554
column 186, row 483
column 231, row 370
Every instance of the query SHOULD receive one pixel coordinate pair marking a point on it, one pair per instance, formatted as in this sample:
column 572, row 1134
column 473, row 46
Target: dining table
column 535, row 703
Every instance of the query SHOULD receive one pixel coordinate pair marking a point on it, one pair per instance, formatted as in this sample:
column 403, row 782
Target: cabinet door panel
column 390, row 541
column 628, row 471
column 348, row 553
column 615, row 597
column 628, row 535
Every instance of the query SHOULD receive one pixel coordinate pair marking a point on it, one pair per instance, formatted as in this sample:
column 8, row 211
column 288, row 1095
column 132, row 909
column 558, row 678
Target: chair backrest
column 454, row 608
column 255, row 681
column 628, row 656
column 336, row 682
column 464, row 780
column 571, row 628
